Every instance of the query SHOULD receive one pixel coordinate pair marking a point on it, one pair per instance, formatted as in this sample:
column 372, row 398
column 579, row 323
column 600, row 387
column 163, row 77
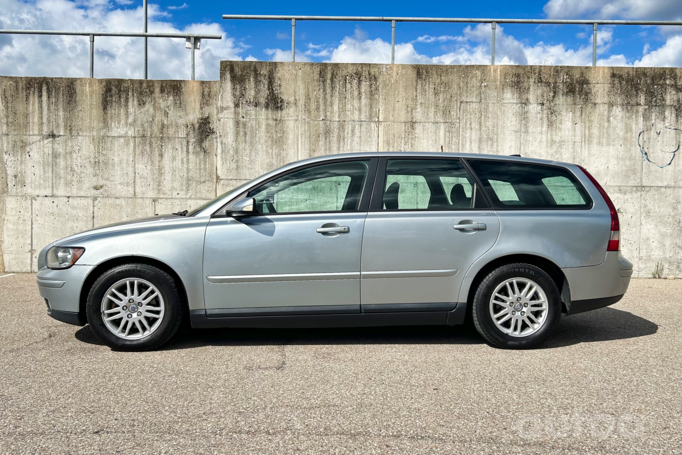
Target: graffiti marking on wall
column 659, row 147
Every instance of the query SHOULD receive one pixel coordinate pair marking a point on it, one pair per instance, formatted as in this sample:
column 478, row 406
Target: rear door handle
column 334, row 230
column 471, row 227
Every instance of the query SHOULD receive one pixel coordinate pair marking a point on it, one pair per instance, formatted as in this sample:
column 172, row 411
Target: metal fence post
column 92, row 56
column 392, row 42
column 293, row 40
column 145, row 39
column 191, row 40
column 492, row 46
column 594, row 44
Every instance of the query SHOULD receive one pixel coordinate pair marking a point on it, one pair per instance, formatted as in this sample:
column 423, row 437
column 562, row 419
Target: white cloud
column 353, row 50
column 280, row 55
column 473, row 48
column 183, row 6
column 32, row 55
column 669, row 54
column 281, row 35
column 438, row 39
column 604, row 9
column 317, row 50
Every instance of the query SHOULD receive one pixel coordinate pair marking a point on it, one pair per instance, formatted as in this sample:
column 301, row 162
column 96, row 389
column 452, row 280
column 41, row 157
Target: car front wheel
column 517, row 306
column 134, row 307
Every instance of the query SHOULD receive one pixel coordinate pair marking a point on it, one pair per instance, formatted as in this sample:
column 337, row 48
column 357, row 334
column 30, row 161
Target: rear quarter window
column 530, row 186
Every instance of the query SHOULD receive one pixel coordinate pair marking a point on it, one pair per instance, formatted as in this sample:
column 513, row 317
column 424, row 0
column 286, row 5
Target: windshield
column 206, row 204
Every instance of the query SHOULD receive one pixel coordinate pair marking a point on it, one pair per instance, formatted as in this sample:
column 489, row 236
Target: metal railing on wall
column 192, row 40
column 493, row 24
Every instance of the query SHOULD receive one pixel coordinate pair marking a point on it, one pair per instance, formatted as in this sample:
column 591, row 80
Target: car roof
column 429, row 155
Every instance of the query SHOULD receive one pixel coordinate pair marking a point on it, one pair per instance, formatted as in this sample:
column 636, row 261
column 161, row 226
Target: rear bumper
column 598, row 286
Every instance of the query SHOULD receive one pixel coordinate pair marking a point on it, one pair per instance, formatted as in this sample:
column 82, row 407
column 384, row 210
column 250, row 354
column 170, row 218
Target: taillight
column 614, row 239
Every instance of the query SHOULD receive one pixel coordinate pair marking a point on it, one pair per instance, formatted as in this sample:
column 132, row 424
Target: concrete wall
column 80, row 153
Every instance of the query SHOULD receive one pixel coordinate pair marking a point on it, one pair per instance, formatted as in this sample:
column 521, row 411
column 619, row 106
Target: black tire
column 483, row 320
column 173, row 303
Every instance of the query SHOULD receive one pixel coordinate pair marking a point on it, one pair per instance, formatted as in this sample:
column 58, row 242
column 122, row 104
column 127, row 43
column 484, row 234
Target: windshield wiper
column 183, row 213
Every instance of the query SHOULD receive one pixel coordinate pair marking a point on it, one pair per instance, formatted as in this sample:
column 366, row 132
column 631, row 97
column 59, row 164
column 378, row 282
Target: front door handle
column 470, row 227
column 333, row 230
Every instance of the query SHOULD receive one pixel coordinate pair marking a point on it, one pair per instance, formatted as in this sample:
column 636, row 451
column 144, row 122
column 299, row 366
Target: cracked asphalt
column 608, row 382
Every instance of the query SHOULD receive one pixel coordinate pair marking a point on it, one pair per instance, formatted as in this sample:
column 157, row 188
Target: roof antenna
column 441, row 149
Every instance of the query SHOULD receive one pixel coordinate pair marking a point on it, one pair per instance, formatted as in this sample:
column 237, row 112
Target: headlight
column 60, row 257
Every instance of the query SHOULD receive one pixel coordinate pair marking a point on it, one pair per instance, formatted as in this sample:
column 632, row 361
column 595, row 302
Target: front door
column 300, row 252
column 428, row 223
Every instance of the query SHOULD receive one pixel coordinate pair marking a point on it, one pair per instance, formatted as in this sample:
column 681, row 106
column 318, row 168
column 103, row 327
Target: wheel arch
column 552, row 269
column 114, row 262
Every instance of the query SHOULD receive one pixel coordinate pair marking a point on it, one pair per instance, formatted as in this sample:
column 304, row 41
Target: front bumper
column 600, row 285
column 61, row 290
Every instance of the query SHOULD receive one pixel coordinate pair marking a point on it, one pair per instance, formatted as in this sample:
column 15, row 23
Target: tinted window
column 331, row 187
column 521, row 185
column 428, row 185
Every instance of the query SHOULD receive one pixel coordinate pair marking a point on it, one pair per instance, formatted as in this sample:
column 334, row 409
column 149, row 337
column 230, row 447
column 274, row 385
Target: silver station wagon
column 367, row 239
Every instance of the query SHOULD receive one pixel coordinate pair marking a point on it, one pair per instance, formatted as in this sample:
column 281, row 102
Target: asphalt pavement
column 609, row 381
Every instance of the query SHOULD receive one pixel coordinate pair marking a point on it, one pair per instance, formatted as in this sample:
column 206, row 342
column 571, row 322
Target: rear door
column 427, row 224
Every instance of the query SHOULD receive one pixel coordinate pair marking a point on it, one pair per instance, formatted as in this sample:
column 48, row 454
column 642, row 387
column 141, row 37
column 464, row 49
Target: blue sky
column 329, row 41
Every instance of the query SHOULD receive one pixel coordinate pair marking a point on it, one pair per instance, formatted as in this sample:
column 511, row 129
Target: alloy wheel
column 519, row 307
column 132, row 308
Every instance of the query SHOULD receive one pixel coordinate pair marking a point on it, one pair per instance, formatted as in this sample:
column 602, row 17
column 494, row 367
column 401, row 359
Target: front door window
column 334, row 187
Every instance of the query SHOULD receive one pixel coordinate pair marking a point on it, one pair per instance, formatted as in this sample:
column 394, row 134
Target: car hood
column 120, row 226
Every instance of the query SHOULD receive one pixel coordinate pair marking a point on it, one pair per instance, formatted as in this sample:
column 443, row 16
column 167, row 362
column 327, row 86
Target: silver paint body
column 384, row 258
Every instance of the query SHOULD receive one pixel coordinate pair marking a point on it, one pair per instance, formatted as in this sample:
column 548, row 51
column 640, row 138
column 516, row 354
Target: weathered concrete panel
column 259, row 90
column 608, row 135
column 165, row 177
column 340, row 92
column 414, row 93
column 27, row 163
column 660, row 220
column 112, row 210
column 553, row 134
column 23, row 103
column 328, row 137
column 249, row 148
column 93, row 166
column 57, row 217
column 478, row 128
column 423, row 136
column 16, row 239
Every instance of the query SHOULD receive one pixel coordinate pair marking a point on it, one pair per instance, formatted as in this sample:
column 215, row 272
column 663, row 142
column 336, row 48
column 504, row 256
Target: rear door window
column 429, row 184
column 530, row 186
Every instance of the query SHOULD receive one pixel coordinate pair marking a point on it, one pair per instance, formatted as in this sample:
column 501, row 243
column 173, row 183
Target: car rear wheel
column 134, row 307
column 516, row 306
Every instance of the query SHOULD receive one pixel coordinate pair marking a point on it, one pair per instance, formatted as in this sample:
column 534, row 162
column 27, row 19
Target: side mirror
column 242, row 207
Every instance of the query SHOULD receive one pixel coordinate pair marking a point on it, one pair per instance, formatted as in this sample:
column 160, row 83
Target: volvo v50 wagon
column 369, row 239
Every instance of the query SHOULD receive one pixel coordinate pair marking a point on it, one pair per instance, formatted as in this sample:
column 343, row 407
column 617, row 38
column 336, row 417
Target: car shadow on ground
column 606, row 324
